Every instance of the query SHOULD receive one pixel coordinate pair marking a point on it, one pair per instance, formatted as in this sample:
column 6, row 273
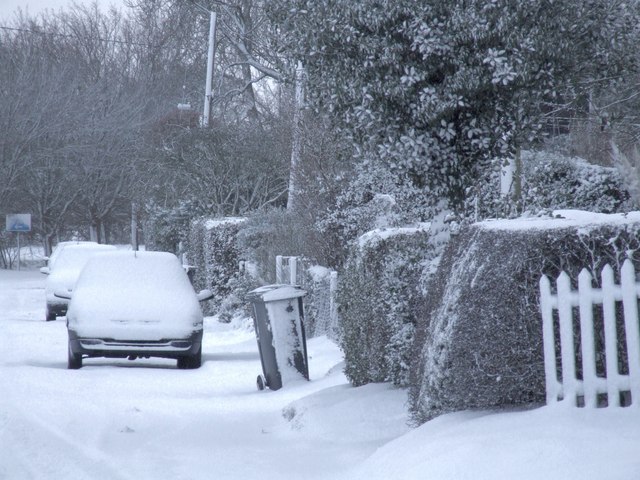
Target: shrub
column 165, row 228
column 479, row 341
column 378, row 295
column 270, row 233
column 552, row 181
column 211, row 247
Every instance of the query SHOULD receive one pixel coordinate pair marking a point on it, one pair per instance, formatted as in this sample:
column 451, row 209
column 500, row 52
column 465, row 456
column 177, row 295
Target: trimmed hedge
column 479, row 340
column 378, row 296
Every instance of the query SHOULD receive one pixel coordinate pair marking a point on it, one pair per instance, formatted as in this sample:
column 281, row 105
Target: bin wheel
column 261, row 383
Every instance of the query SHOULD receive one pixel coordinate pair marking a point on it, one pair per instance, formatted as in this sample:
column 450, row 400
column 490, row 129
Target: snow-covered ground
column 116, row 419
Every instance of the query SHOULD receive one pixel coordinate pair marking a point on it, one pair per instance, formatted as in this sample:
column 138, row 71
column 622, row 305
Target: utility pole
column 296, row 147
column 207, row 93
column 134, row 226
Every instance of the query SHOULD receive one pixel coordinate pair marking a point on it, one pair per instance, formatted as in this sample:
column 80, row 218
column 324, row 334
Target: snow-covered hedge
column 211, row 248
column 378, row 297
column 479, row 342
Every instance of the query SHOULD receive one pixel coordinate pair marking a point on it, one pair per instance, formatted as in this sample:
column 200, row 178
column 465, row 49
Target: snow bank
column 346, row 414
column 546, row 443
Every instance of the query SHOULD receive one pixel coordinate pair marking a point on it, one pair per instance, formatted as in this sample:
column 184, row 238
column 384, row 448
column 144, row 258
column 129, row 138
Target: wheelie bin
column 278, row 316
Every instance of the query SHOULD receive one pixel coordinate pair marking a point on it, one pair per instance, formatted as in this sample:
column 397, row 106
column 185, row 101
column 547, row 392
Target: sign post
column 19, row 222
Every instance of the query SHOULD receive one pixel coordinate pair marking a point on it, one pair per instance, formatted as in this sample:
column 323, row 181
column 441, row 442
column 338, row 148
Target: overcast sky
column 8, row 7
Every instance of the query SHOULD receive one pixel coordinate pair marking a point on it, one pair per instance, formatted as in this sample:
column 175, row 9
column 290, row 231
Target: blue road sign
column 19, row 222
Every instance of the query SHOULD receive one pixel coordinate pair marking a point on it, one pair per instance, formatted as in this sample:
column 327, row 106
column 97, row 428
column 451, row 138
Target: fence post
column 279, row 269
column 630, row 305
column 589, row 376
column 550, row 372
column 610, row 336
column 567, row 352
column 293, row 270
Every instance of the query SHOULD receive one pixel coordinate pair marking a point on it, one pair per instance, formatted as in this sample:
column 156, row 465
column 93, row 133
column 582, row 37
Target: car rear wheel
column 190, row 362
column 74, row 360
column 51, row 315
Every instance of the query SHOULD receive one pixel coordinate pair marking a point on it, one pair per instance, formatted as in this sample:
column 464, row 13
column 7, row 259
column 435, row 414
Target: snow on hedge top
column 134, row 295
column 213, row 223
column 562, row 219
column 318, row 273
column 374, row 236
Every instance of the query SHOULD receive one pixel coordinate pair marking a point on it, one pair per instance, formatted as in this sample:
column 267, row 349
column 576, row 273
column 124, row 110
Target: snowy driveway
column 116, row 419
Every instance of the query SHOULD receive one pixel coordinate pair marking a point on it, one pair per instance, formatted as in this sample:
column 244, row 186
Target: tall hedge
column 378, row 298
column 211, row 248
column 479, row 340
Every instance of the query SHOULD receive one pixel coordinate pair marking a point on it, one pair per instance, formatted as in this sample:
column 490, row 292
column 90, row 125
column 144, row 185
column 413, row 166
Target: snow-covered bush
column 479, row 342
column 555, row 182
column 165, row 228
column 378, row 296
column 211, row 248
column 552, row 181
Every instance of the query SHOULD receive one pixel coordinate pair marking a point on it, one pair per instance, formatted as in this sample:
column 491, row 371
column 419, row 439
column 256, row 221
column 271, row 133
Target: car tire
column 51, row 315
column 191, row 362
column 74, row 360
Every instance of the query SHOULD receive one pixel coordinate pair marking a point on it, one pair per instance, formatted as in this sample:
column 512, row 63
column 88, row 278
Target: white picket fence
column 567, row 388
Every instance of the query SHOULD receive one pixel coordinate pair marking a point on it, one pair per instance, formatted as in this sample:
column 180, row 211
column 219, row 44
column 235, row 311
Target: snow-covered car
column 63, row 274
column 60, row 246
column 129, row 304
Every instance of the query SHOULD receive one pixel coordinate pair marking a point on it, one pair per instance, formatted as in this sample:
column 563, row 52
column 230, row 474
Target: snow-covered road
column 147, row 420
column 116, row 419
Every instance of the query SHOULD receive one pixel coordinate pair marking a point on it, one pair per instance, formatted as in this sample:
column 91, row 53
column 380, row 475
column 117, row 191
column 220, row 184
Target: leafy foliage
column 433, row 90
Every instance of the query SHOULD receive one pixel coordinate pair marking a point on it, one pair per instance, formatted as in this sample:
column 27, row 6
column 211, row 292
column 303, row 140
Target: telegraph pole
column 207, row 92
column 296, row 147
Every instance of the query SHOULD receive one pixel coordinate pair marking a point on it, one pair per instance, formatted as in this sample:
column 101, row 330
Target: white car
column 69, row 261
column 129, row 304
column 51, row 260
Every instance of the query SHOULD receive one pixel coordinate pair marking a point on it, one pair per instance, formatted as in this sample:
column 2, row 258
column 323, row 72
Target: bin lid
column 272, row 293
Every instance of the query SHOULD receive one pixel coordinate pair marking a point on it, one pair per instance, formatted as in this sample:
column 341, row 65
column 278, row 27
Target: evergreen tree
column 433, row 90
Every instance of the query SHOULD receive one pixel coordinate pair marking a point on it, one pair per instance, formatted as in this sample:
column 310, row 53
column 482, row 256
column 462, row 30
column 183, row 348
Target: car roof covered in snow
column 74, row 257
column 125, row 283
